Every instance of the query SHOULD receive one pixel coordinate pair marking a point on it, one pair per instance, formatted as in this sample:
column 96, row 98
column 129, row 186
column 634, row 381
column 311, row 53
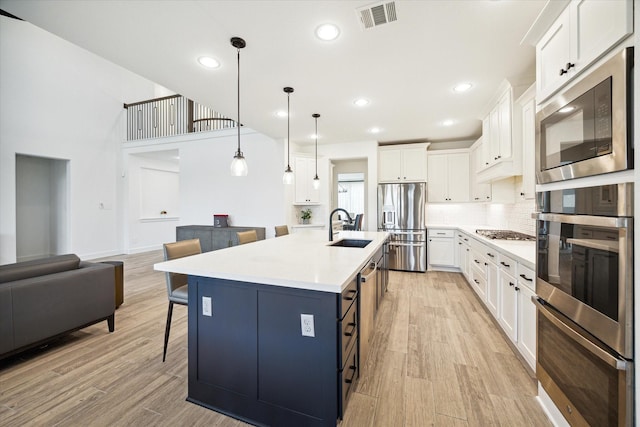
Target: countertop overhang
column 302, row 260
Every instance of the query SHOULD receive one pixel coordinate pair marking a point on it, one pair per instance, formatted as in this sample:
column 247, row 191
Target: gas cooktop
column 504, row 235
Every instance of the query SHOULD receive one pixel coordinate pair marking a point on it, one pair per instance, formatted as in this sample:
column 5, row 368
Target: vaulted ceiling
column 406, row 69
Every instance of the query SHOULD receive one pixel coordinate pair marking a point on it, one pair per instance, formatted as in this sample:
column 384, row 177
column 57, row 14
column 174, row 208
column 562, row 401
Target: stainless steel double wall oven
column 585, row 248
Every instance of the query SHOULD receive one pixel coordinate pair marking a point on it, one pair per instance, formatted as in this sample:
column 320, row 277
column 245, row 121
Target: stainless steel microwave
column 587, row 129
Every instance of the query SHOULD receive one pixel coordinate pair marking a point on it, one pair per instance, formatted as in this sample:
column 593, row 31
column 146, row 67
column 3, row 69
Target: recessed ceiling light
column 361, row 102
column 448, row 122
column 208, row 62
column 567, row 109
column 462, row 87
column 281, row 113
column 327, row 32
column 375, row 130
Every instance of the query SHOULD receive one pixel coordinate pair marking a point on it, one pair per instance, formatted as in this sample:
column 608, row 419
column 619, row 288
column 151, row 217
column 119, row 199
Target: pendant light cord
column 288, row 141
column 316, row 147
column 238, row 124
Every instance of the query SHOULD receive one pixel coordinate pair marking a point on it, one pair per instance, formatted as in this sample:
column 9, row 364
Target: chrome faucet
column 331, row 221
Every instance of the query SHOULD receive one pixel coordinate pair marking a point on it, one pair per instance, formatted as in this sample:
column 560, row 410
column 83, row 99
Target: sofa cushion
column 38, row 267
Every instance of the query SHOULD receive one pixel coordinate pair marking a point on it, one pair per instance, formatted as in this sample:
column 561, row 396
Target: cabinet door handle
column 476, row 280
column 476, row 261
column 506, row 265
column 569, row 66
column 517, row 289
column 511, row 284
column 526, row 278
column 491, row 255
column 563, row 71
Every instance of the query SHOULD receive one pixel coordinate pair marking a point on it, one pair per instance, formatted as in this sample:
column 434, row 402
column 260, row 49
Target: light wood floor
column 437, row 358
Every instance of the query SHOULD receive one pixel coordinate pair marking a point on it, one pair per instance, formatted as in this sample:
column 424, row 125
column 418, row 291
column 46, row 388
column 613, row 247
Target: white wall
column 207, row 187
column 60, row 101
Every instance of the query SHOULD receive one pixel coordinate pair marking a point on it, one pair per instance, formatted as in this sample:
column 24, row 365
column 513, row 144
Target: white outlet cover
column 207, row 306
column 307, row 326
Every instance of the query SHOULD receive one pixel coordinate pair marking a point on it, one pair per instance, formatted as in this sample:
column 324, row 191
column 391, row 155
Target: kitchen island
column 273, row 326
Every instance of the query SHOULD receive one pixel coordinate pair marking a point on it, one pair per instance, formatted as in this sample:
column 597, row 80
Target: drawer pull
column 350, row 298
column 353, row 329
column 476, row 261
column 503, row 263
column 511, row 284
column 476, row 280
column 491, row 255
column 526, row 278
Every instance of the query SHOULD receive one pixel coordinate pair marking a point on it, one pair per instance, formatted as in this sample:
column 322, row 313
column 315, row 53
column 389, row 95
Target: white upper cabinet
column 400, row 163
column 502, row 152
column 304, row 170
column 448, row 176
column 528, row 109
column 584, row 31
column 479, row 192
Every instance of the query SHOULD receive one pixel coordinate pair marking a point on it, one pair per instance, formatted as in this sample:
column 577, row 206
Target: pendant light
column 287, row 178
column 238, row 164
column 316, row 180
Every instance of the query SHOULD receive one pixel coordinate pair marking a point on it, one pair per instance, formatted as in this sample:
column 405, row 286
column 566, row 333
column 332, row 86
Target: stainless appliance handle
column 421, row 232
column 407, row 244
column 374, row 267
column 594, row 349
column 597, row 221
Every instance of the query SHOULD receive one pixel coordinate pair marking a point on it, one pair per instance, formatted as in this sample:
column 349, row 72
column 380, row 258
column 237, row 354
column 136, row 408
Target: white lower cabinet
column 508, row 311
column 493, row 296
column 506, row 287
column 526, row 316
column 441, row 248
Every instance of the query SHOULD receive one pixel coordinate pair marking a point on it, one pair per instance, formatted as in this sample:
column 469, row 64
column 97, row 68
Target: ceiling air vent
column 377, row 14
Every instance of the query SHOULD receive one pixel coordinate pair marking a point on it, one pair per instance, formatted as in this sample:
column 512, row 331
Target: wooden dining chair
column 247, row 236
column 281, row 230
column 177, row 290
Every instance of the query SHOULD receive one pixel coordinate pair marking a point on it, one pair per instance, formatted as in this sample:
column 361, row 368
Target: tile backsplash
column 514, row 216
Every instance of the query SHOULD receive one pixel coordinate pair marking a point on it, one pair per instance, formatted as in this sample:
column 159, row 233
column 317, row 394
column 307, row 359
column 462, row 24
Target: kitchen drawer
column 527, row 277
column 349, row 331
column 507, row 264
column 479, row 281
column 480, row 263
column 492, row 254
column 348, row 297
column 348, row 378
column 435, row 232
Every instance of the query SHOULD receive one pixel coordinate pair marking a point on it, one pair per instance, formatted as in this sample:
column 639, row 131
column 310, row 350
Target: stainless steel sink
column 351, row 243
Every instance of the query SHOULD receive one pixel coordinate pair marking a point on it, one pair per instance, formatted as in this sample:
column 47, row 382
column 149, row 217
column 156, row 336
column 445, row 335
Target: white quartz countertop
column 523, row 251
column 302, row 260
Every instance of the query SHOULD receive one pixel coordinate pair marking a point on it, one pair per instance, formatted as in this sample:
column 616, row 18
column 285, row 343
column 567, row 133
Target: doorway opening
column 350, row 187
column 42, row 207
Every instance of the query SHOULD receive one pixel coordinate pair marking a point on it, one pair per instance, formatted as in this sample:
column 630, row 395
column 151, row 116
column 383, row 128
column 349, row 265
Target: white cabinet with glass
column 304, row 169
column 402, row 163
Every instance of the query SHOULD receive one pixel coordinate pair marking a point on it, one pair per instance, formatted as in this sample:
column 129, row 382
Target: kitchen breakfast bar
column 274, row 326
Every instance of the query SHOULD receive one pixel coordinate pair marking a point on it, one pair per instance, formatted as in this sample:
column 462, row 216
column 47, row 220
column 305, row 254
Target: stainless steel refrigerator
column 401, row 212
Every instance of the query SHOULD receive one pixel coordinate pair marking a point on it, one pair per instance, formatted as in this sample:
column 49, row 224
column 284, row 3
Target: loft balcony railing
column 171, row 115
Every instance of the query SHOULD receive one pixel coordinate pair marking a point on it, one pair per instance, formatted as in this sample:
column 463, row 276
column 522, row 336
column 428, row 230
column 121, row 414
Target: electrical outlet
column 306, row 324
column 207, row 306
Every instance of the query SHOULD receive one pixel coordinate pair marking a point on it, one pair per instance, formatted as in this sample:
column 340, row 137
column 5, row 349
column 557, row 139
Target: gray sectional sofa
column 46, row 298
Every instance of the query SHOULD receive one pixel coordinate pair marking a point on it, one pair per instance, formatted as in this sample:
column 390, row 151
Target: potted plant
column 305, row 215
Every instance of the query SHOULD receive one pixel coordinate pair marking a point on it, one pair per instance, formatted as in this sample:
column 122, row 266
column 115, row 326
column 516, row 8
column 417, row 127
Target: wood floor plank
column 419, row 403
column 437, row 358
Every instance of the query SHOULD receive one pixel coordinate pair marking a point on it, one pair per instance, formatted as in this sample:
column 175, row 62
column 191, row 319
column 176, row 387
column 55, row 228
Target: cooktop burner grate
column 504, row 235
